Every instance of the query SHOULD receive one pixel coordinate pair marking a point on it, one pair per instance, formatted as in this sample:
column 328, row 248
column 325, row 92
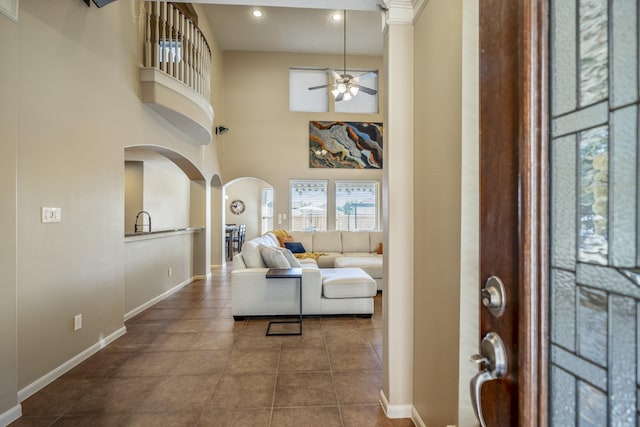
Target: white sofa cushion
column 304, row 237
column 327, row 241
column 270, row 239
column 355, row 241
column 273, row 257
column 371, row 264
column 375, row 238
column 347, row 283
column 251, row 253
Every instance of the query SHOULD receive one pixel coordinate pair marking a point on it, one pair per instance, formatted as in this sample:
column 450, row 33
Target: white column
column 398, row 211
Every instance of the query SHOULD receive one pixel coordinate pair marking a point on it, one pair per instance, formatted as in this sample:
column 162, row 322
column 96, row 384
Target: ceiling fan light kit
column 346, row 86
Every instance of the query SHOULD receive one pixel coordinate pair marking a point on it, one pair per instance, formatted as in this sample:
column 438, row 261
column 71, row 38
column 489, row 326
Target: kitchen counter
column 155, row 234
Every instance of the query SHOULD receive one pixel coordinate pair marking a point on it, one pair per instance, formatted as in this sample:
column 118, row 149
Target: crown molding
column 401, row 12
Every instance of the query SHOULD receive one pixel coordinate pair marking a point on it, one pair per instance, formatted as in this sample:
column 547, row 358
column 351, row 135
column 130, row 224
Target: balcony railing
column 174, row 45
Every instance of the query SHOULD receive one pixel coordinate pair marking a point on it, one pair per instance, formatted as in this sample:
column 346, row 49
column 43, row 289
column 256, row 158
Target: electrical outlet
column 77, row 322
column 170, row 272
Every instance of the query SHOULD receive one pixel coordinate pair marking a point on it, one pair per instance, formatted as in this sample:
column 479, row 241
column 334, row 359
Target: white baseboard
column 395, row 411
column 11, row 415
column 202, row 276
column 48, row 378
column 415, row 417
column 160, row 297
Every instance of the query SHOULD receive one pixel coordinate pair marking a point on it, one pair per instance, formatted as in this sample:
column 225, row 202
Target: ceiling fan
column 346, row 86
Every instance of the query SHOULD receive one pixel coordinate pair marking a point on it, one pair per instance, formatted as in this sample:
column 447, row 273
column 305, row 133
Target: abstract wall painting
column 346, row 145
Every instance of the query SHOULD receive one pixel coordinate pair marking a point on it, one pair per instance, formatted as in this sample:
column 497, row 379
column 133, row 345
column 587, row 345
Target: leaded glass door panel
column 594, row 258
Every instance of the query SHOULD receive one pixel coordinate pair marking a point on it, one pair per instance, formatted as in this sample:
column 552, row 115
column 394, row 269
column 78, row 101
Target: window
column 356, row 205
column 267, row 210
column 308, row 205
column 317, row 101
column 363, row 102
column 303, row 99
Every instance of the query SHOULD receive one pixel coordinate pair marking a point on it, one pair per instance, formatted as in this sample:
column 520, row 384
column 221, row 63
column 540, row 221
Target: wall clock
column 237, row 207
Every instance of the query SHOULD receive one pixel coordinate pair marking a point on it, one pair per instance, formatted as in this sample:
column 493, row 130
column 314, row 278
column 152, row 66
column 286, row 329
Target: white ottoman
column 347, row 283
column 372, row 265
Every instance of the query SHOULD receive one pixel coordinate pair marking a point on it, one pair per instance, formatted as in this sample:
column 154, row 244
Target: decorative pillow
column 379, row 251
column 293, row 261
column 283, row 240
column 273, row 257
column 295, row 247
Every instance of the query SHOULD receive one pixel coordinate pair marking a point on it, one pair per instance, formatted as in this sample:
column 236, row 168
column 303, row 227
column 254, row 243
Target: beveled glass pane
column 563, row 404
column 622, row 385
column 592, row 325
column 594, row 195
column 563, row 57
column 594, row 54
column 563, row 309
column 624, row 52
column 623, row 198
column 563, row 202
column 592, row 406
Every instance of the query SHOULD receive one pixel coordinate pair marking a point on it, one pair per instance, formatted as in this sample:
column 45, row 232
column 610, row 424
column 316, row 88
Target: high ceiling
column 307, row 29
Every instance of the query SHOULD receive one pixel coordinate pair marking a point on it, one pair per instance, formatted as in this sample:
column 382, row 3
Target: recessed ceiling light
column 336, row 17
column 257, row 13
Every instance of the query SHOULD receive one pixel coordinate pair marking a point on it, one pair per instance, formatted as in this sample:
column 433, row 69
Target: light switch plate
column 51, row 214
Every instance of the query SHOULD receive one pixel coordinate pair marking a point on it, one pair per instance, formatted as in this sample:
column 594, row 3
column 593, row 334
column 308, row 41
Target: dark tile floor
column 185, row 361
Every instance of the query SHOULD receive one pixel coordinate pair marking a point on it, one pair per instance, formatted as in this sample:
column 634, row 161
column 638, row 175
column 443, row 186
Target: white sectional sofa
column 326, row 291
column 355, row 249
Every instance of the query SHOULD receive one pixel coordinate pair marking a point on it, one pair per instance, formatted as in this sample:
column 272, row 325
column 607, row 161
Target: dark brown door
column 512, row 213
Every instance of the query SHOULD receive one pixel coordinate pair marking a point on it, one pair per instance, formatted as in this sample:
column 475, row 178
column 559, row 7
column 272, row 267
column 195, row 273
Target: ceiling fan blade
column 339, row 97
column 318, row 87
column 365, row 75
column 367, row 90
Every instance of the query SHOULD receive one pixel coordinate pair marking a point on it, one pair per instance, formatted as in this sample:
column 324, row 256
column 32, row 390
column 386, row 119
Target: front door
column 560, row 209
column 511, row 213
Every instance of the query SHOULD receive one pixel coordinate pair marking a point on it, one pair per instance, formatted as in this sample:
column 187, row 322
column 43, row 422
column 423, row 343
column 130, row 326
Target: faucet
column 135, row 228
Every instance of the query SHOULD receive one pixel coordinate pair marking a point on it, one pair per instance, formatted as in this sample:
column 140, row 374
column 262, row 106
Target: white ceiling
column 305, row 28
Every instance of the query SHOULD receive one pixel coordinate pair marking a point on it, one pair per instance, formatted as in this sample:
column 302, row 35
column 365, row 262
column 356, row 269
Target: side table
column 286, row 273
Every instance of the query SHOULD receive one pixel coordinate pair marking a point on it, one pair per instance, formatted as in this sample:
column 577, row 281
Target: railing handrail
column 175, row 45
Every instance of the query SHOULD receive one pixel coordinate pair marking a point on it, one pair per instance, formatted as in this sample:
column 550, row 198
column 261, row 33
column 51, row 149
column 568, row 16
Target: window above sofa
column 356, row 203
column 308, row 201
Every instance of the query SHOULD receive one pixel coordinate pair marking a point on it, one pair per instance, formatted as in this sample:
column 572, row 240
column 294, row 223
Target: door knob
column 493, row 365
column 494, row 296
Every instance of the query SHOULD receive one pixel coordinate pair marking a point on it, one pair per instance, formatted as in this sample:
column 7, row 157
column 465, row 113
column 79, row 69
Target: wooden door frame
column 529, row 201
column 534, row 214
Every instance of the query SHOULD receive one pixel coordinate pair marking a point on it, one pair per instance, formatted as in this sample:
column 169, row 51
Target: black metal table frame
column 286, row 273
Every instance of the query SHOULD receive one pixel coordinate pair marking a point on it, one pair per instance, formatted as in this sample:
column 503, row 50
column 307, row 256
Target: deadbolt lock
column 494, row 296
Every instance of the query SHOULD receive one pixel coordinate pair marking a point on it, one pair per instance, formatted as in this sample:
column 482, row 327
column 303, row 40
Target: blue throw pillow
column 295, row 247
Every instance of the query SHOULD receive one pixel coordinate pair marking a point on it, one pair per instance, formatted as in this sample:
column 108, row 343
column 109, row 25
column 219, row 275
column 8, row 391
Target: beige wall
column 437, row 195
column 8, row 146
column 266, row 140
column 77, row 76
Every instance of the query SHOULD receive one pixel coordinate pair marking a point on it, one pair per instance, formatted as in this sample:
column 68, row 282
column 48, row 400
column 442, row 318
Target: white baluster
column 164, row 56
column 147, row 34
column 156, row 40
column 171, row 51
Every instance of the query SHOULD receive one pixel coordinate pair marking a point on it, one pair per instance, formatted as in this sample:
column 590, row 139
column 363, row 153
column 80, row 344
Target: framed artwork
column 9, row 8
column 347, row 145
